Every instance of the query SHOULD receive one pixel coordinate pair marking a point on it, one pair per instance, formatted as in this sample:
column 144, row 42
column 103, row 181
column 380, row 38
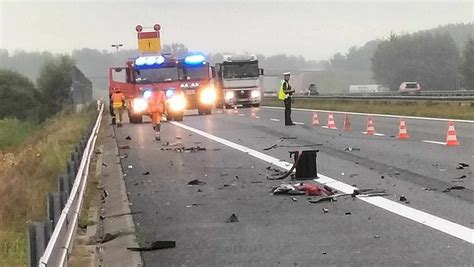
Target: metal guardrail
column 402, row 98
column 442, row 95
column 55, row 247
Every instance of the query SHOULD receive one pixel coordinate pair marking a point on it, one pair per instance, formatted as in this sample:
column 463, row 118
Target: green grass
column 422, row 109
column 28, row 173
column 14, row 132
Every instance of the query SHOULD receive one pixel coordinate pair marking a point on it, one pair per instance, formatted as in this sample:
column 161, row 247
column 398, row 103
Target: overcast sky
column 315, row 29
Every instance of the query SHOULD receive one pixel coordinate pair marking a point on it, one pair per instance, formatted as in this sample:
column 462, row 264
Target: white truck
column 237, row 81
column 367, row 88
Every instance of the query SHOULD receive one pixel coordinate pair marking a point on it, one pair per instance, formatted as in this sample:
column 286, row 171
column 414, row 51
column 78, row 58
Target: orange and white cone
column 370, row 126
column 236, row 111
column 347, row 123
column 315, row 120
column 331, row 123
column 451, row 139
column 402, row 133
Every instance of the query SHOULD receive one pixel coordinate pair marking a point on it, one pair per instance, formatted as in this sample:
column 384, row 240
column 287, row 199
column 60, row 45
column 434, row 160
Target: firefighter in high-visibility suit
column 156, row 107
column 285, row 93
column 118, row 105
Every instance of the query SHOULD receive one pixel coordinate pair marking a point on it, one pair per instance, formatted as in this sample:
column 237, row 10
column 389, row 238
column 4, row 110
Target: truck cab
column 238, row 80
column 195, row 76
column 144, row 74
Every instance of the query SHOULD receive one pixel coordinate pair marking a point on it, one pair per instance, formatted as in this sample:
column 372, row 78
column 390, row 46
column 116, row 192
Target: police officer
column 286, row 91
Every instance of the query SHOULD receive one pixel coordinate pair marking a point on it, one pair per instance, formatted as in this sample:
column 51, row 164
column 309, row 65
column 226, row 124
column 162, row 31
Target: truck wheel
column 200, row 111
column 208, row 111
column 179, row 116
column 227, row 106
column 256, row 105
column 135, row 118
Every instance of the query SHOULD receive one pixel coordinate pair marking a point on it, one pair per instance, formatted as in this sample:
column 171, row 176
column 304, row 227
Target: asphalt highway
column 431, row 228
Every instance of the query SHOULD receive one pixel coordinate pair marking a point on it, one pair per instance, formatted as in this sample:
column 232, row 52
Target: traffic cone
column 370, row 126
column 451, row 139
column 347, row 123
column 254, row 114
column 236, row 111
column 331, row 123
column 315, row 120
column 402, row 133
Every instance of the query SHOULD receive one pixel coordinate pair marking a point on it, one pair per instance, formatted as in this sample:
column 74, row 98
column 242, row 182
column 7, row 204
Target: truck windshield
column 240, row 70
column 194, row 73
column 157, row 75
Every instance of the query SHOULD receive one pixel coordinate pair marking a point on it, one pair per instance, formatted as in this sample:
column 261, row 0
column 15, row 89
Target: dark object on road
column 256, row 182
column 351, row 149
column 462, row 165
column 353, row 175
column 128, row 138
column 324, row 253
column 377, row 236
column 305, row 163
column 194, row 149
column 233, row 218
column 97, row 152
column 107, row 237
column 456, row 187
column 104, row 164
column 429, row 189
column 124, row 147
column 196, row 182
column 294, row 199
column 460, row 177
column 403, row 198
column 348, row 213
column 123, row 156
column 314, row 190
column 382, row 177
column 146, row 173
column 324, row 210
column 155, row 246
column 178, row 137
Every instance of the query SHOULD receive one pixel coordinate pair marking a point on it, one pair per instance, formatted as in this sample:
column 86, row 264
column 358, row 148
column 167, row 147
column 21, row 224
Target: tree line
column 22, row 99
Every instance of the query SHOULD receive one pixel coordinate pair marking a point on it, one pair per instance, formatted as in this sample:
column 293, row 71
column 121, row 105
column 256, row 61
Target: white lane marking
column 440, row 224
column 257, row 117
column 375, row 115
column 325, row 127
column 274, row 119
column 377, row 134
column 241, row 115
column 434, row 142
column 298, row 123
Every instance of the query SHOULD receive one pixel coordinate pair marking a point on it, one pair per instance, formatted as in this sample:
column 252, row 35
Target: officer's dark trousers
column 288, row 111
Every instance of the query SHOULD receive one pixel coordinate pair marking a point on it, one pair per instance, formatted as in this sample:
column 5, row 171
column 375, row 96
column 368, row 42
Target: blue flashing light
column 169, row 93
column 194, row 59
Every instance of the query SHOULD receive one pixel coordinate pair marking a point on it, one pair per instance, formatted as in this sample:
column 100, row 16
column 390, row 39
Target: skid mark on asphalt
column 440, row 224
column 434, row 142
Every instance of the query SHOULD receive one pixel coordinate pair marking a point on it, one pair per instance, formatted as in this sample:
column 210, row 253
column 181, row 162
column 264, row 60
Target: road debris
column 107, row 237
column 429, row 189
column 376, row 236
column 353, row 175
column 351, row 149
column 196, row 182
column 192, row 205
column 294, row 199
column 124, row 147
column 324, row 210
column 123, row 156
column 348, row 213
column 130, row 167
column 178, row 137
column 455, row 187
column 233, row 218
column 462, row 165
column 128, row 137
column 256, row 182
column 146, row 173
column 104, row 164
column 460, row 177
column 403, row 198
column 155, row 246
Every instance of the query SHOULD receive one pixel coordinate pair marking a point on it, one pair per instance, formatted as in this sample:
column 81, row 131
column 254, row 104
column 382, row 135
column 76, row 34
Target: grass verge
column 27, row 173
column 14, row 132
column 419, row 108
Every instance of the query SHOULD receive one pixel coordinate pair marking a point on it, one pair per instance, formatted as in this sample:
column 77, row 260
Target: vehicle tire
column 179, row 116
column 169, row 117
column 208, row 111
column 136, row 118
column 246, row 105
column 227, row 106
column 256, row 105
column 200, row 111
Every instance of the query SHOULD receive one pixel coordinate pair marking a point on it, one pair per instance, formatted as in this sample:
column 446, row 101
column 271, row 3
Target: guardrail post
column 50, row 208
column 56, row 210
column 64, row 184
column 40, row 238
column 31, row 246
column 48, row 226
column 71, row 172
column 76, row 160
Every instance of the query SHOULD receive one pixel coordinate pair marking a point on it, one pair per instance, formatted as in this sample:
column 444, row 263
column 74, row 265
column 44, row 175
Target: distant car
column 409, row 87
column 312, row 90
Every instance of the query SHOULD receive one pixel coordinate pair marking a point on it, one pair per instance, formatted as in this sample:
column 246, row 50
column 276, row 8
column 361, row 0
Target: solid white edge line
column 443, row 225
column 298, row 123
column 375, row 115
column 434, row 142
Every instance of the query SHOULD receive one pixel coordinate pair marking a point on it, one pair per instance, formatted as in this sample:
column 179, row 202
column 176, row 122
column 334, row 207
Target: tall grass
column 13, row 132
column 422, row 108
column 28, row 173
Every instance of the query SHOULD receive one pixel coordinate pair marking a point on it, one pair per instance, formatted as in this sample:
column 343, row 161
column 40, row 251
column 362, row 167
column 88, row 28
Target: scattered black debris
column 397, row 173
column 233, row 218
column 192, row 205
column 463, row 165
column 195, row 149
column 104, row 164
column 351, row 149
column 256, row 182
column 199, row 190
column 135, row 184
column 128, row 137
column 376, row 236
column 324, row 210
column 216, row 149
column 178, row 137
column 97, row 152
column 435, row 164
column 455, row 187
column 353, row 175
column 382, row 177
column 237, row 177
column 226, row 185
column 294, row 199
column 124, row 147
column 155, row 246
column 403, row 198
column 429, row 189
column 146, row 173
column 105, row 193
column 324, row 253
column 348, row 213
column 224, row 174
column 123, row 156
column 460, row 177
column 196, row 182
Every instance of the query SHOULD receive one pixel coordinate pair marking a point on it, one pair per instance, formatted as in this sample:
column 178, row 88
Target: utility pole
column 117, row 46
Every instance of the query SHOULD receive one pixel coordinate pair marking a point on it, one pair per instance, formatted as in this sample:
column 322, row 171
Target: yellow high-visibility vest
column 281, row 94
